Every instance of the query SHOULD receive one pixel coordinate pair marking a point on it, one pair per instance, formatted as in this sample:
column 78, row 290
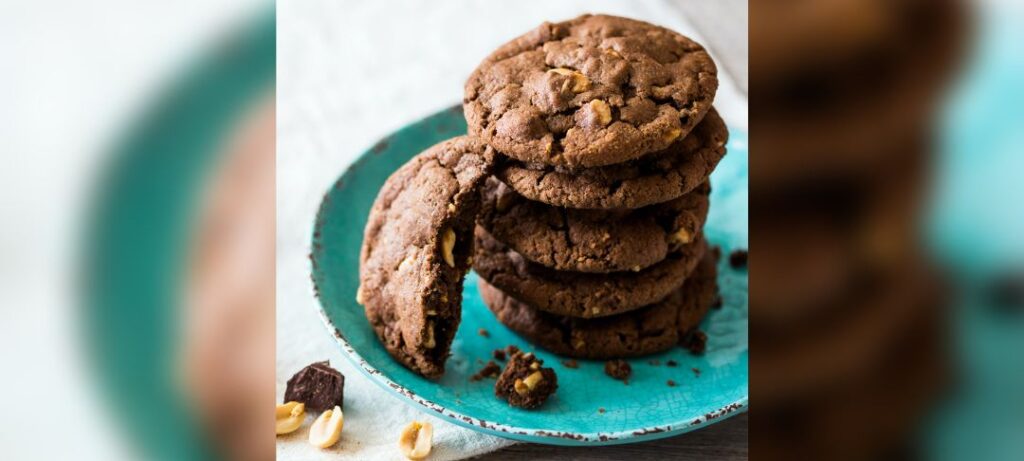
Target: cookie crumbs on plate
column 571, row 363
column 524, row 382
column 618, row 369
column 738, row 259
column 694, row 341
column 483, row 332
column 671, row 383
column 490, row 370
column 672, row 363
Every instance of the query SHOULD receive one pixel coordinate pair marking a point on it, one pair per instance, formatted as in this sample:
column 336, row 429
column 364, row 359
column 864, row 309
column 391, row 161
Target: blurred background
column 887, row 277
column 136, row 135
column 887, row 316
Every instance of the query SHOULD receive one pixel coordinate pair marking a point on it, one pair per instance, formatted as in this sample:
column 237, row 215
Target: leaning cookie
column 576, row 294
column 649, row 330
column 654, row 178
column 416, row 251
column 594, row 91
column 593, row 241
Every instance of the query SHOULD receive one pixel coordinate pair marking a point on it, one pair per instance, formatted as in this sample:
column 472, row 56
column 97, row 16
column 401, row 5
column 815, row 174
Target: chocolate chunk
column 1006, row 293
column 618, row 369
column 318, row 386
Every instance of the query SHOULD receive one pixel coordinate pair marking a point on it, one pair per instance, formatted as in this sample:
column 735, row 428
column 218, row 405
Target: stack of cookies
column 589, row 241
column 848, row 336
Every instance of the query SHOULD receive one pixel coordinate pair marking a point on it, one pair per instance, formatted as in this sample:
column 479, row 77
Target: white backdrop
column 349, row 73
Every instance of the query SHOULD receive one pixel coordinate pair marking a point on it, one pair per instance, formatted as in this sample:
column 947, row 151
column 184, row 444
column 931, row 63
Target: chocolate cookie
column 577, row 294
column 652, row 329
column 593, row 91
column 654, row 178
column 416, row 249
column 597, row 241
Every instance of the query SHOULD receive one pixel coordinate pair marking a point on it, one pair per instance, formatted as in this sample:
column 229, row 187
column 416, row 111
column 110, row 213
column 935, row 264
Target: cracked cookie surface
column 577, row 294
column 593, row 91
column 416, row 250
column 648, row 330
column 654, row 178
column 593, row 241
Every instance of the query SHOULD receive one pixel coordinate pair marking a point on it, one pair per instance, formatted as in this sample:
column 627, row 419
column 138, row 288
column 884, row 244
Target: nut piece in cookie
column 416, row 251
column 318, row 386
column 525, row 383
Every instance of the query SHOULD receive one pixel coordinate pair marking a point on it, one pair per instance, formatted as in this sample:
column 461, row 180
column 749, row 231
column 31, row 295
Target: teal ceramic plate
column 710, row 387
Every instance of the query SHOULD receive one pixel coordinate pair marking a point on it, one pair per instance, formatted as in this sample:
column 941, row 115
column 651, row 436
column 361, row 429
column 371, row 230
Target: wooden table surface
column 726, row 440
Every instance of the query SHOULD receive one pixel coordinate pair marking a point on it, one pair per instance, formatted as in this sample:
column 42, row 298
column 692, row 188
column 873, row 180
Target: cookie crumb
column 511, row 350
column 572, row 363
column 490, row 370
column 654, row 362
column 483, row 332
column 672, row 363
column 717, row 302
column 696, row 372
column 716, row 253
column 618, row 369
column 600, row 410
column 738, row 259
column 695, row 341
column 499, row 354
column 670, row 383
column 524, row 383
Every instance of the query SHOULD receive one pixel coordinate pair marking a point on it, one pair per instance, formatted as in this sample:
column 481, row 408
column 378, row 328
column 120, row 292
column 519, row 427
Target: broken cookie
column 525, row 383
column 416, row 252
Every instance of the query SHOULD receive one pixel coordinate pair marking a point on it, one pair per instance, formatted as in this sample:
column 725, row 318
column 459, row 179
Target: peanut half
column 290, row 416
column 448, row 246
column 577, row 82
column 416, row 439
column 326, row 430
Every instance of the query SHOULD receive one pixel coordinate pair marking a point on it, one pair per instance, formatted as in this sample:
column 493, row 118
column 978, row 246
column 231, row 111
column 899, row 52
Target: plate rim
column 506, row 431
